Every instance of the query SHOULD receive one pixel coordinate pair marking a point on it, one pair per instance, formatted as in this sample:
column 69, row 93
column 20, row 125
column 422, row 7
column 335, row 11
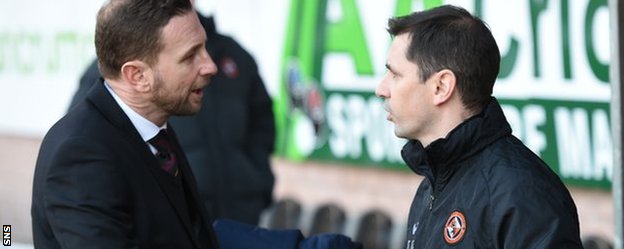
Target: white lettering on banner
column 357, row 116
column 584, row 151
column 352, row 119
column 572, row 141
column 602, row 146
column 534, row 116
column 339, row 135
column 513, row 117
column 375, row 138
column 580, row 157
column 525, row 125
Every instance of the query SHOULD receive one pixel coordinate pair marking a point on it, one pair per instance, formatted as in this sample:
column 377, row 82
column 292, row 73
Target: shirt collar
column 146, row 128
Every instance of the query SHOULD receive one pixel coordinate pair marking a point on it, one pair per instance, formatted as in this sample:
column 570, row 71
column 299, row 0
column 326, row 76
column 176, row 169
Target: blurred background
column 337, row 163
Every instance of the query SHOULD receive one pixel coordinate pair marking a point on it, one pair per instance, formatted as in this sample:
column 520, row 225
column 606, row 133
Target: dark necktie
column 165, row 154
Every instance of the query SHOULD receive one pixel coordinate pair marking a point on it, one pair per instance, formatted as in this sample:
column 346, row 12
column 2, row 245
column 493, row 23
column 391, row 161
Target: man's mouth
column 198, row 91
column 386, row 107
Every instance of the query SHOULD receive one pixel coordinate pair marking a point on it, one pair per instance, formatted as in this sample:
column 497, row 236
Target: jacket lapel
column 106, row 104
column 204, row 217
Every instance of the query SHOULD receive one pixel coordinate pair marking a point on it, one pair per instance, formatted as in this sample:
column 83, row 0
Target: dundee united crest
column 455, row 228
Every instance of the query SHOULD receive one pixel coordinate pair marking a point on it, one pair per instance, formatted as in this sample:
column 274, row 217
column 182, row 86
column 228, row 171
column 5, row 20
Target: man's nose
column 208, row 67
column 381, row 90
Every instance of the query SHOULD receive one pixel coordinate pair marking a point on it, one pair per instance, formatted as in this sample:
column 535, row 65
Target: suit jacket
column 229, row 142
column 97, row 185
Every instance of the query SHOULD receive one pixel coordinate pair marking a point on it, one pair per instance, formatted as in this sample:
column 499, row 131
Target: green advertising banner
column 553, row 83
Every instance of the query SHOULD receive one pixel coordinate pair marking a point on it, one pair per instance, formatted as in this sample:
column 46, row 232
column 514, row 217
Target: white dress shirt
column 146, row 128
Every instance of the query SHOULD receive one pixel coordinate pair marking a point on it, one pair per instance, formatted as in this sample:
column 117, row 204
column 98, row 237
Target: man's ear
column 138, row 74
column 444, row 82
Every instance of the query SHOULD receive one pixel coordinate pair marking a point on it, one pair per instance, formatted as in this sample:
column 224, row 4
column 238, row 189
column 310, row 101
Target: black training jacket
column 483, row 188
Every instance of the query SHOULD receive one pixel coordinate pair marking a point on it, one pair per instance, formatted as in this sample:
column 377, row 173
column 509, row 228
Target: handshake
column 236, row 235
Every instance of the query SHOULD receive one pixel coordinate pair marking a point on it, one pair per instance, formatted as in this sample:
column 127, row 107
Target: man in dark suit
column 111, row 174
column 229, row 142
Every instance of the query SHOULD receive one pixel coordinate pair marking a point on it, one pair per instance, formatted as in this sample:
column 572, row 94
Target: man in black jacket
column 482, row 187
column 229, row 142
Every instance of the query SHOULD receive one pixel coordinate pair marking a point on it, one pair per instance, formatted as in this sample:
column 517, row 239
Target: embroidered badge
column 455, row 228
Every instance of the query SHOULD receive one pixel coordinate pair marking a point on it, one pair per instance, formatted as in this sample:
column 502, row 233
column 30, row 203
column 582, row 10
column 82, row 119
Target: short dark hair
column 449, row 37
column 131, row 29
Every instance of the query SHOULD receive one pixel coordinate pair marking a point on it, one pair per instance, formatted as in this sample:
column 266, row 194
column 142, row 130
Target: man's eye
column 188, row 58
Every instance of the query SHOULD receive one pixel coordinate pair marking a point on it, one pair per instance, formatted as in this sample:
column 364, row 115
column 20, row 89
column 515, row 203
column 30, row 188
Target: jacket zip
column 431, row 199
column 431, row 194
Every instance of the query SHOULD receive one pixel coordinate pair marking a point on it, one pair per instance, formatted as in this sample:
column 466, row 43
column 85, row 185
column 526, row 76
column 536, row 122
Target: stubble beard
column 169, row 102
